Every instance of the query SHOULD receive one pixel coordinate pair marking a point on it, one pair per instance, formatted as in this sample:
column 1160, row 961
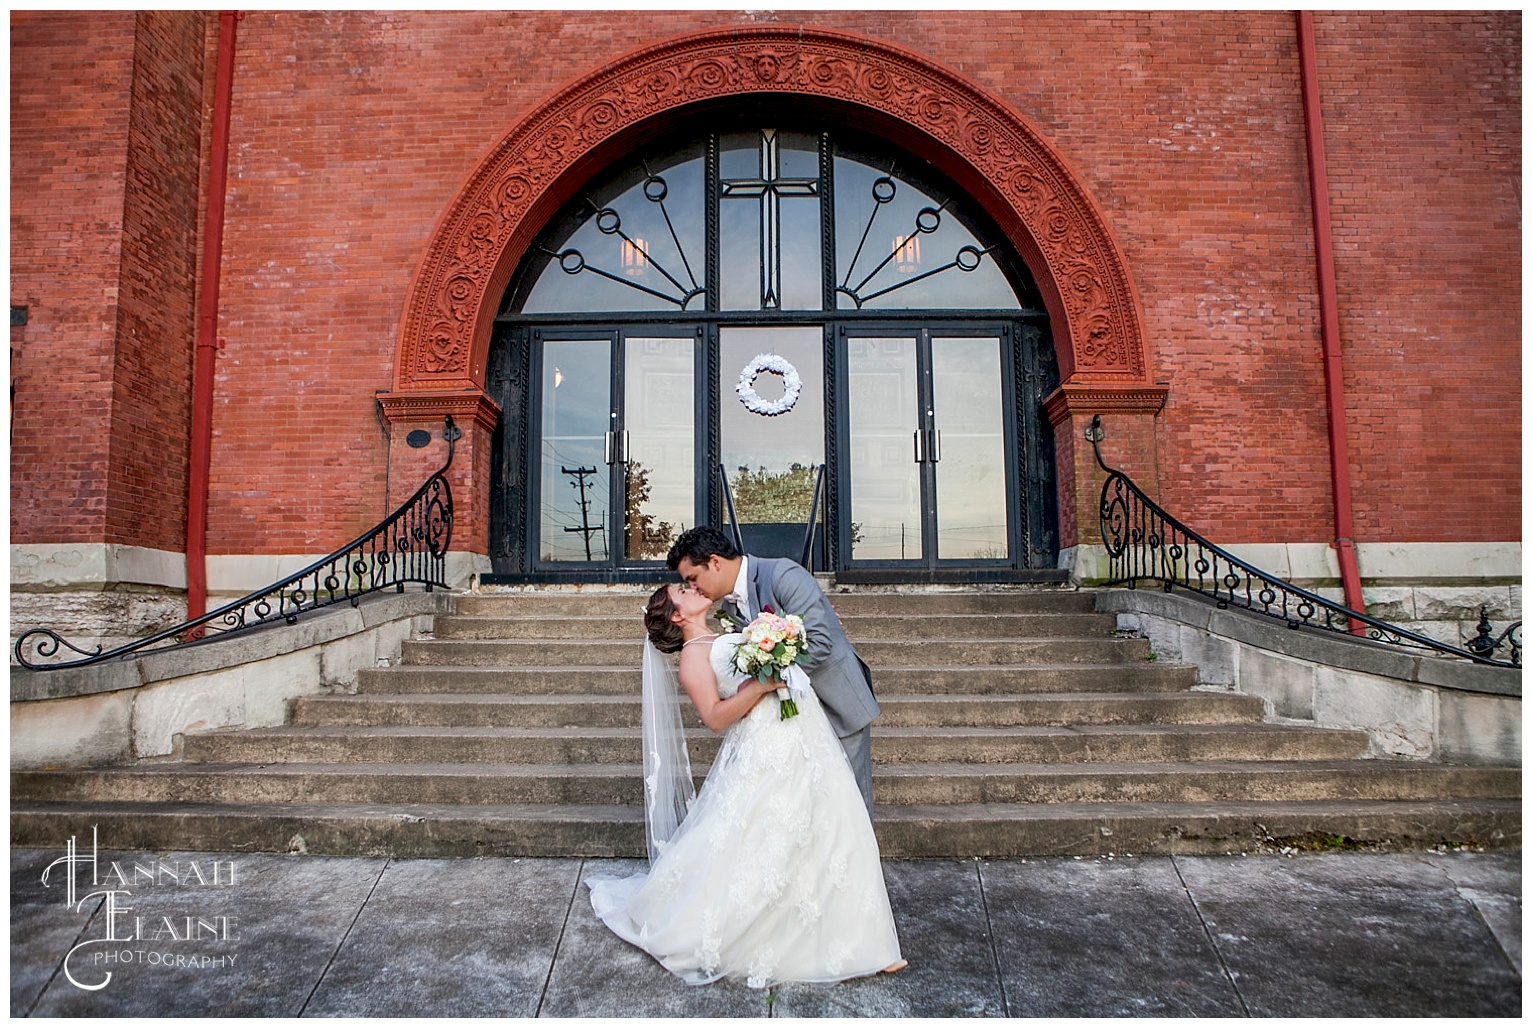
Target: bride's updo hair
column 663, row 632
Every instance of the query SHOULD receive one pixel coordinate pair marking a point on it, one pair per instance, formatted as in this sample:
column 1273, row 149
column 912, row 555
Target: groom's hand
column 798, row 592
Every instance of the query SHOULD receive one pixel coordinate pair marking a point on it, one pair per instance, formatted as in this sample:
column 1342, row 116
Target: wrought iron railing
column 1144, row 543
column 728, row 506
column 807, row 560
column 409, row 546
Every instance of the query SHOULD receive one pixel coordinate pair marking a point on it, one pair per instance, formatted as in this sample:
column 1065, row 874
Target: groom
column 710, row 563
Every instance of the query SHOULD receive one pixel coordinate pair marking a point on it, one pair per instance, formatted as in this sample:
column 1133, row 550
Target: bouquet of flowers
column 772, row 644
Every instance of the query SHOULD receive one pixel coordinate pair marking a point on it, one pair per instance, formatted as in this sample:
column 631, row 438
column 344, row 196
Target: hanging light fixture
column 907, row 254
column 635, row 260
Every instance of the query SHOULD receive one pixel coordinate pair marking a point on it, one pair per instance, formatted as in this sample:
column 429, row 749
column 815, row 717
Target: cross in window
column 770, row 188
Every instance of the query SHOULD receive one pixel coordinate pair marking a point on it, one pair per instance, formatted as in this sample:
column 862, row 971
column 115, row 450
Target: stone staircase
column 1014, row 723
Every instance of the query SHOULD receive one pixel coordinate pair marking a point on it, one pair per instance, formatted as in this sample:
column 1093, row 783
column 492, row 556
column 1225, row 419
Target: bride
column 772, row 873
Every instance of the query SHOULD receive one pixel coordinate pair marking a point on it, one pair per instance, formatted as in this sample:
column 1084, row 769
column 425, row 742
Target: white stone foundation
column 1409, row 704
column 124, row 711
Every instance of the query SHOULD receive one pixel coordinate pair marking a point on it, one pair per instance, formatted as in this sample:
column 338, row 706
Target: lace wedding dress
column 774, row 874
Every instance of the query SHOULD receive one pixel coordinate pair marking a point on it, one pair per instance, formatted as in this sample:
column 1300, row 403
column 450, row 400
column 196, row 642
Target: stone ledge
column 1411, row 706
column 62, row 566
column 1337, row 651
column 216, row 654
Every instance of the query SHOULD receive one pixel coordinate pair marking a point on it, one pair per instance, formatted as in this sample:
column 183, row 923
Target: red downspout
column 207, row 326
column 1329, row 321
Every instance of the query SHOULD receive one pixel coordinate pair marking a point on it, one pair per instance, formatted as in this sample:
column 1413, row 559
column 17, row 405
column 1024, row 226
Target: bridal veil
column 668, row 788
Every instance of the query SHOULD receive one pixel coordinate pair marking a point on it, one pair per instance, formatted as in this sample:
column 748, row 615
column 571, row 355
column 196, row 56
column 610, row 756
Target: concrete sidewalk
column 1333, row 935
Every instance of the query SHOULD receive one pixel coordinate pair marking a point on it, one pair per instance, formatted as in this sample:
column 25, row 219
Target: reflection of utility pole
column 586, row 528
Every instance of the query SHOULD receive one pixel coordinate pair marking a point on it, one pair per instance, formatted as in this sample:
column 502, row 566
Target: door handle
column 611, row 447
column 622, row 451
column 920, row 446
column 936, row 445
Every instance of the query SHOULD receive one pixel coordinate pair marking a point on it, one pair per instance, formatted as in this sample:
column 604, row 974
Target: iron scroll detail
column 410, row 545
column 1144, row 543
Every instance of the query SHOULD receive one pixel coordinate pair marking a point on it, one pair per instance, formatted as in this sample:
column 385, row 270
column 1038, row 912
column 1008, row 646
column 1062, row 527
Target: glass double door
column 616, row 471
column 922, row 471
column 928, row 473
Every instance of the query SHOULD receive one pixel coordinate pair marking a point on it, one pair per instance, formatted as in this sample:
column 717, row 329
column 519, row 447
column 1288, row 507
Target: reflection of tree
column 767, row 497
column 646, row 538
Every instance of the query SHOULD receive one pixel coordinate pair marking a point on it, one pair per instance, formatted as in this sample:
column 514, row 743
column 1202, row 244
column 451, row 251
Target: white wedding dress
column 774, row 874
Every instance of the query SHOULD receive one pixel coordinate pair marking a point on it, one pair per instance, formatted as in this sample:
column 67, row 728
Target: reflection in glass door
column 656, row 444
column 618, row 462
column 574, row 476
column 927, row 474
column 883, row 386
column 968, row 453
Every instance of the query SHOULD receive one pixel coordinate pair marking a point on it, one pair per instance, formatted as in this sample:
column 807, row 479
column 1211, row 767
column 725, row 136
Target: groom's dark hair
column 698, row 544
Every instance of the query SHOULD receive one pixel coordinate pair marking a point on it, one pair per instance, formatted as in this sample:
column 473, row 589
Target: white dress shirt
column 741, row 593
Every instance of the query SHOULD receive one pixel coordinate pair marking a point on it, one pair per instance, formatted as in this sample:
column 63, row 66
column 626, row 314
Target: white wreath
column 792, row 385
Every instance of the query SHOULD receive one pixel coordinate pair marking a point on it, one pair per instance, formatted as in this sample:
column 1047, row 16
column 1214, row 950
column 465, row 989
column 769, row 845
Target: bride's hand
column 767, row 687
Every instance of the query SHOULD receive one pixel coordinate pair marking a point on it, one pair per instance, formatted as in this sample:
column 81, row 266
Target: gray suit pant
column 858, row 749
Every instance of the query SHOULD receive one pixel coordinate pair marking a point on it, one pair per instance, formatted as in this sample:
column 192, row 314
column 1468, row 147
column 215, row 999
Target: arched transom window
column 765, row 220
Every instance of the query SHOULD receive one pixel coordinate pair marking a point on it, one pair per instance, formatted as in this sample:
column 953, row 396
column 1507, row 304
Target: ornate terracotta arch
column 986, row 147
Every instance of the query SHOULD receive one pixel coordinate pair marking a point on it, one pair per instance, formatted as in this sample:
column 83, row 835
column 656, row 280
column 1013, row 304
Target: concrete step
column 1204, row 782
column 504, row 681
column 1015, row 830
column 978, row 626
column 474, row 710
column 548, row 628
column 899, row 710
column 628, row 604
column 859, row 627
column 571, row 830
column 891, row 745
column 921, row 603
column 1115, row 743
column 378, row 829
column 1156, row 677
column 877, row 652
column 956, row 784
column 343, row 783
column 911, row 710
column 624, row 604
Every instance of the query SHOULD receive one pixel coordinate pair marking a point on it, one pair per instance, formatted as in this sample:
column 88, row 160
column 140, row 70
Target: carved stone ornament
column 1073, row 399
column 466, row 407
column 444, row 334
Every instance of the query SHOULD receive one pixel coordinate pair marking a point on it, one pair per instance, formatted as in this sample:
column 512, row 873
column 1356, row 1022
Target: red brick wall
column 69, row 131
column 1422, row 125
column 156, row 328
column 1192, row 142
column 352, row 132
column 104, row 203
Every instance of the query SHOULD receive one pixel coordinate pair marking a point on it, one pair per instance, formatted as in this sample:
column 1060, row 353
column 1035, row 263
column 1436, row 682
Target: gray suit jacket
column 842, row 680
